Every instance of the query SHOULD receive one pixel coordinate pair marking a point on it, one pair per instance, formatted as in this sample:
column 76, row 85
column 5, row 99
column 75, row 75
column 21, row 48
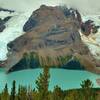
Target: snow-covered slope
column 4, row 14
column 93, row 40
column 14, row 28
column 15, row 25
column 27, row 5
column 84, row 6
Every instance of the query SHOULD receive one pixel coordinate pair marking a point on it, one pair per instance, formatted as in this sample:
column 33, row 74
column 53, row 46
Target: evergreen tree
column 19, row 92
column 5, row 94
column 72, row 95
column 31, row 93
column 13, row 91
column 22, row 93
column 87, row 90
column 26, row 57
column 42, row 84
column 58, row 93
column 0, row 96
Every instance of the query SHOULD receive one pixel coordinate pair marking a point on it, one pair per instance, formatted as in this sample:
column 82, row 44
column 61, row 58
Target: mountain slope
column 52, row 34
column 13, row 29
column 52, row 31
column 93, row 40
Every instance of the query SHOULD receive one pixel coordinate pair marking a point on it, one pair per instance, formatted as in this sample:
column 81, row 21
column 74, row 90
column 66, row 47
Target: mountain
column 13, row 27
column 3, row 19
column 85, row 7
column 27, row 6
column 7, row 10
column 52, row 38
column 93, row 40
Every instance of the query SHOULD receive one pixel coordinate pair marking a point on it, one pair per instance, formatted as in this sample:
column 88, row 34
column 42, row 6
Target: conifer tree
column 22, row 93
column 87, row 90
column 58, row 93
column 5, row 94
column 13, row 91
column 19, row 92
column 42, row 84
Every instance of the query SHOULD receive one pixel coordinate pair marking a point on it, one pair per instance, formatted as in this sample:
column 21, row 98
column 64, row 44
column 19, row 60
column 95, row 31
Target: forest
column 41, row 92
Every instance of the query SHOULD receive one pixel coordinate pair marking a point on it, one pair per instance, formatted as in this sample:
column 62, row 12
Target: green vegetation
column 42, row 84
column 13, row 91
column 32, row 59
column 86, row 92
column 5, row 95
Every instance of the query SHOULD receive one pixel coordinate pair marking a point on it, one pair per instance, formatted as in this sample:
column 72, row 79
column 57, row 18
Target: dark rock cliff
column 89, row 27
column 6, row 10
column 2, row 23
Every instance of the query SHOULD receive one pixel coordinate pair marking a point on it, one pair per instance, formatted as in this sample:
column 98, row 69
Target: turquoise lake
column 66, row 79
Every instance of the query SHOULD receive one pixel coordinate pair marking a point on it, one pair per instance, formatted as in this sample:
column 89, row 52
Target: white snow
column 15, row 24
column 5, row 14
column 86, row 7
column 95, row 18
column 27, row 5
column 14, row 28
column 93, row 40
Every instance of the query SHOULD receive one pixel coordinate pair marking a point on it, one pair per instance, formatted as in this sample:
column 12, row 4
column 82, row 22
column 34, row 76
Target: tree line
column 86, row 92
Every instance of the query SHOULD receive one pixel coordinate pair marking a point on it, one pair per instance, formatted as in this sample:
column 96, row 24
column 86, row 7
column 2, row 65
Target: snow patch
column 4, row 14
column 14, row 29
column 93, row 40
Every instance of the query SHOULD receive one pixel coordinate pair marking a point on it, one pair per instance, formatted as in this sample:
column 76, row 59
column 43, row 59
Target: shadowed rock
column 2, row 23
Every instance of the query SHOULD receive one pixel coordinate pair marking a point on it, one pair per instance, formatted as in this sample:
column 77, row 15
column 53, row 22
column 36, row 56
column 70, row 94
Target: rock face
column 89, row 27
column 2, row 23
column 52, row 36
column 51, row 28
column 6, row 10
column 30, row 63
column 2, row 26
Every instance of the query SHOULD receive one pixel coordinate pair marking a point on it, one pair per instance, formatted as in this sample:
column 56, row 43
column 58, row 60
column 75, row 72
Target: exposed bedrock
column 52, row 33
column 2, row 23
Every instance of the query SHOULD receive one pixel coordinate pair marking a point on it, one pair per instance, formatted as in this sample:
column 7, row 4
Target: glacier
column 14, row 28
column 27, row 5
column 93, row 40
column 23, row 10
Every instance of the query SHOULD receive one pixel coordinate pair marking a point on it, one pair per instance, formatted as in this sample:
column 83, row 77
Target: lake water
column 66, row 79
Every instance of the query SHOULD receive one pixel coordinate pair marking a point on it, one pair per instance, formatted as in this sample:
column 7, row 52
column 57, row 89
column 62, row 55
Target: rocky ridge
column 52, row 34
column 4, row 20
